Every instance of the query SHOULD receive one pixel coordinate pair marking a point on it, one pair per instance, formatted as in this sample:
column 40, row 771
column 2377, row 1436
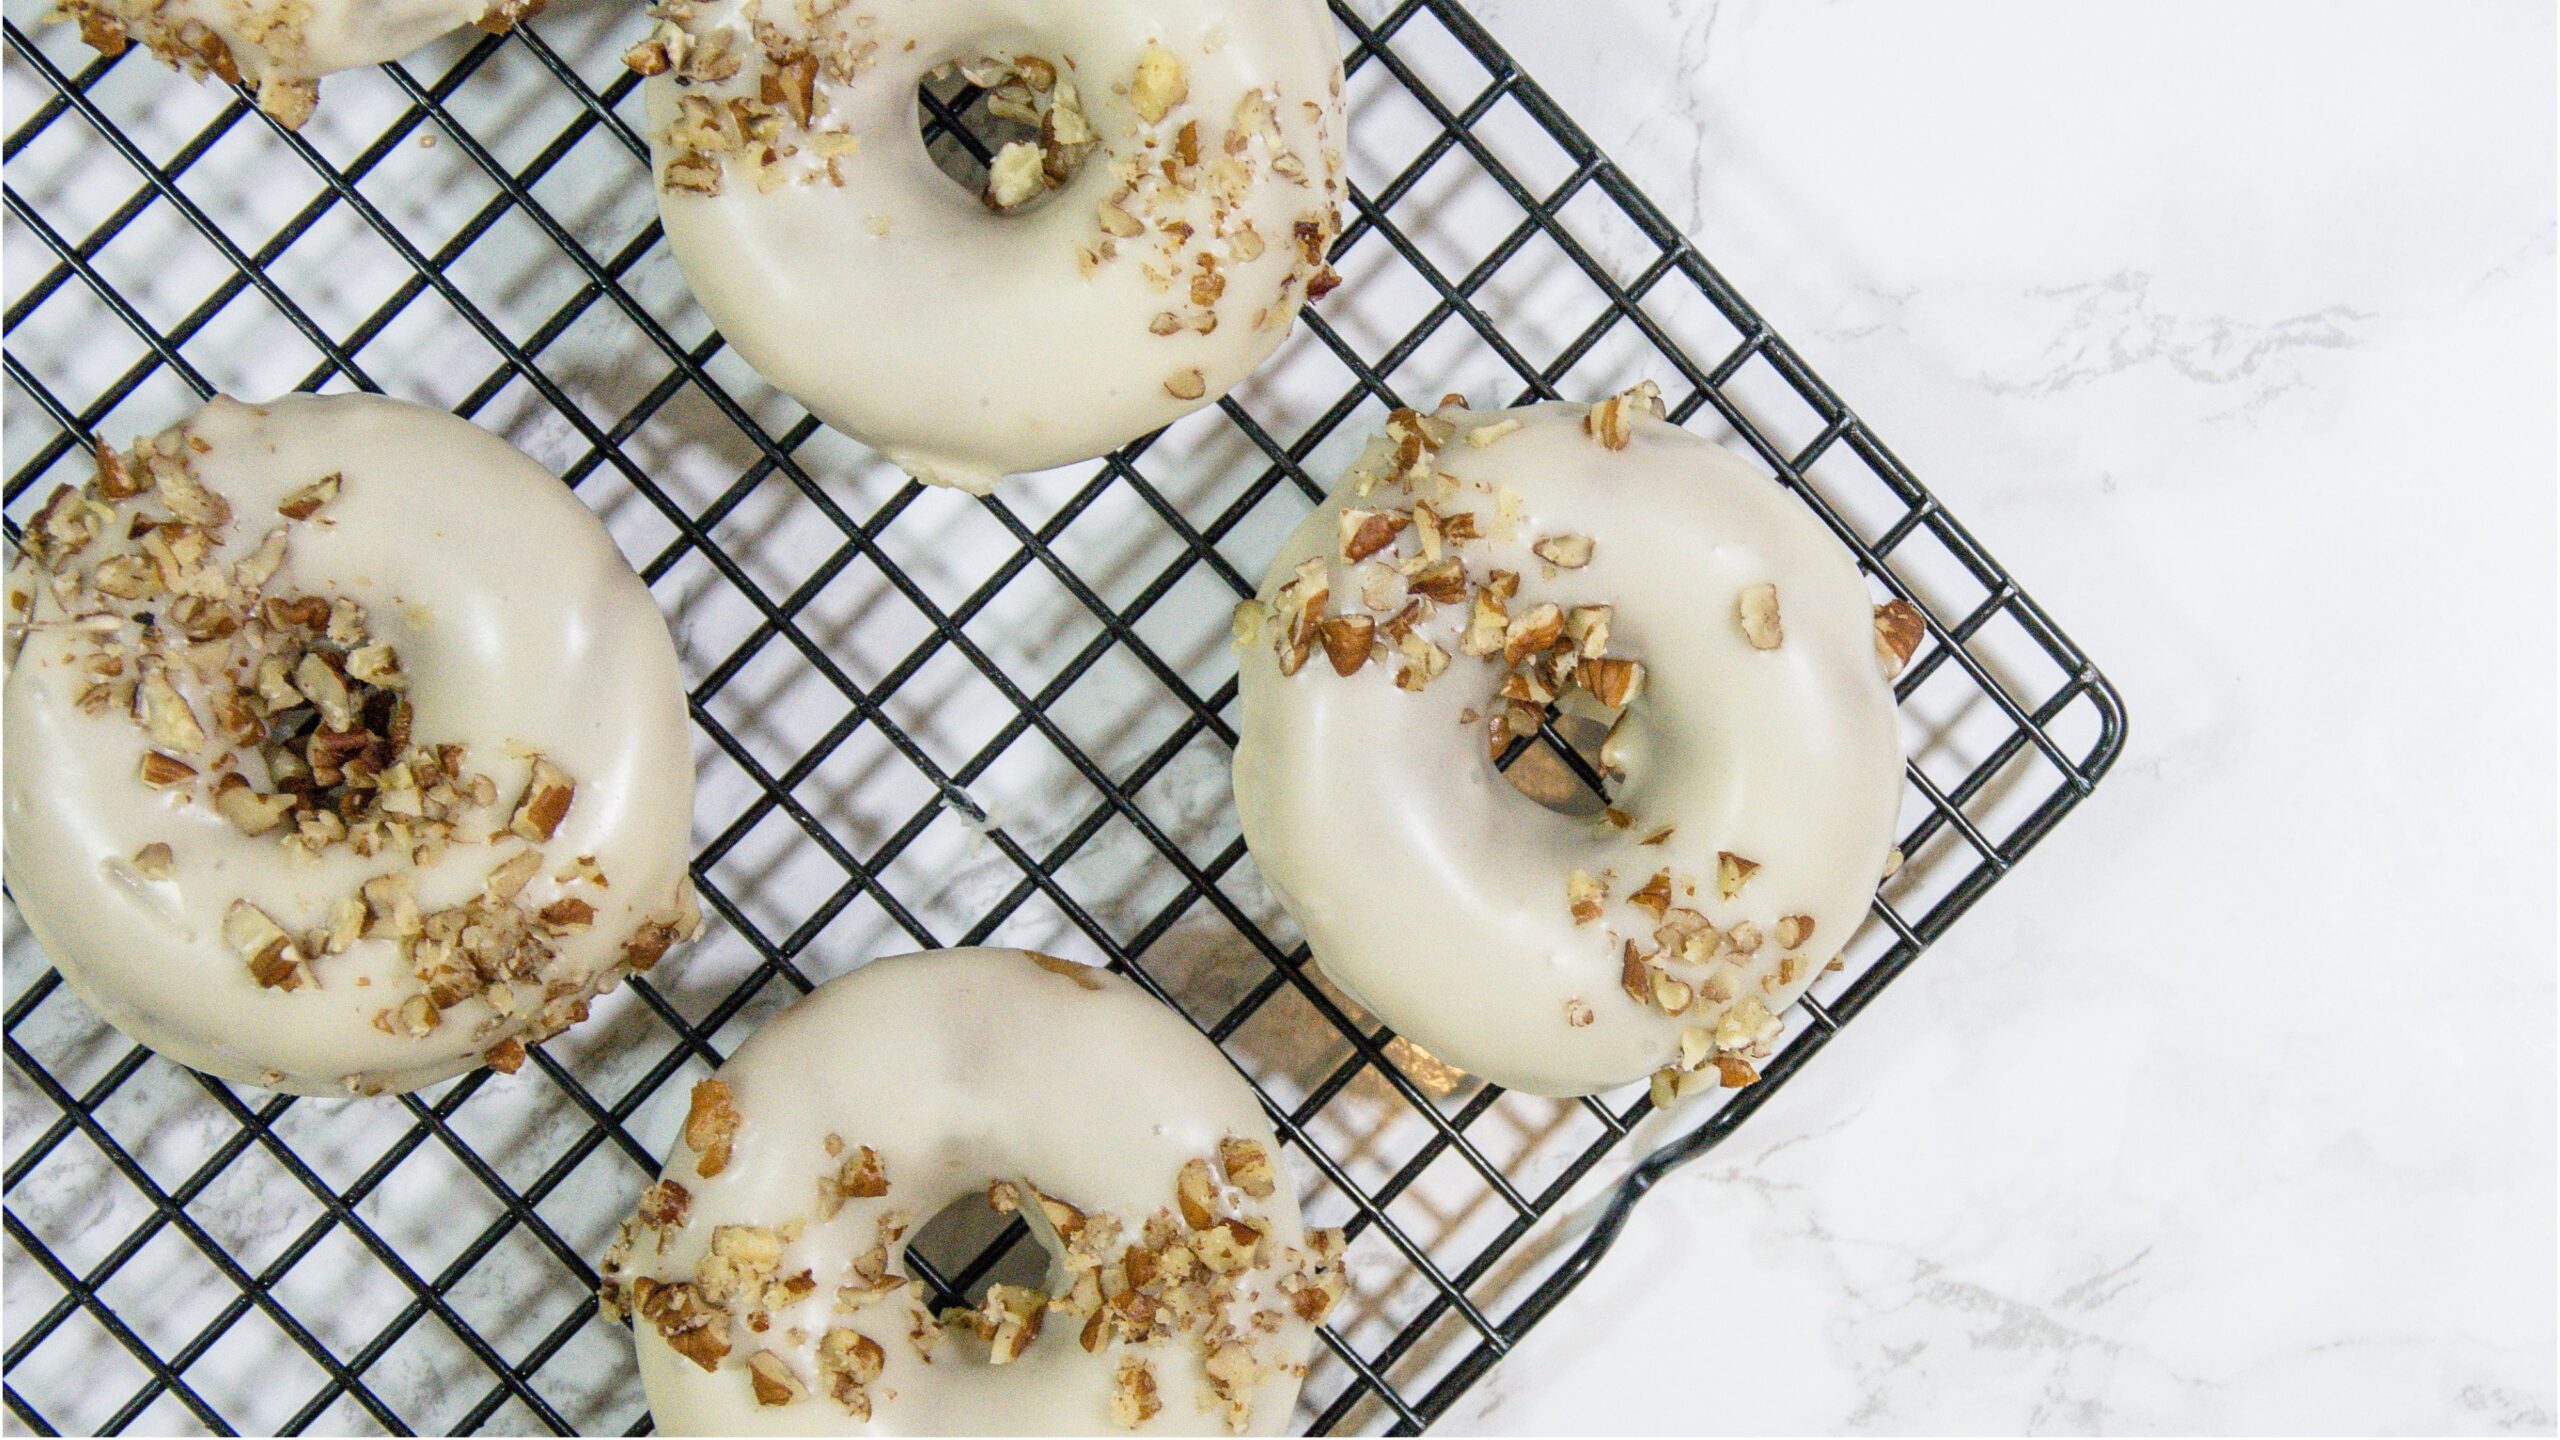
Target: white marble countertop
column 2230, row 328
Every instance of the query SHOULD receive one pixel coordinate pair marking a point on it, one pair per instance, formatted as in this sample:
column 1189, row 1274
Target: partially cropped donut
column 1471, row 571
column 764, row 1273
column 282, row 47
column 1142, row 252
column 345, row 752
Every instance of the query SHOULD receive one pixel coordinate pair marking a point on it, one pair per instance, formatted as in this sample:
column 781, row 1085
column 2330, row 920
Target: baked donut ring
column 1151, row 247
column 282, row 47
column 1473, row 569
column 763, row 1271
column 345, row 752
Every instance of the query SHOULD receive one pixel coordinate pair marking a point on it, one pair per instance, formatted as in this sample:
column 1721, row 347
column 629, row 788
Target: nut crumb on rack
column 1899, row 630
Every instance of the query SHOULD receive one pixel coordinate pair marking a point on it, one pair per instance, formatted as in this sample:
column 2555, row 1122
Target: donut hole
column 967, row 1249
column 1009, row 130
column 1536, row 766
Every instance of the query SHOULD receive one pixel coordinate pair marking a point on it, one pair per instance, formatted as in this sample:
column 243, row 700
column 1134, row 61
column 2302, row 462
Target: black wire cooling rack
column 923, row 720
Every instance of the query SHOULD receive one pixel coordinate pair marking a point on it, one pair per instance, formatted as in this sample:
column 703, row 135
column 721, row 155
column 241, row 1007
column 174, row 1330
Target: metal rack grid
column 184, row 1254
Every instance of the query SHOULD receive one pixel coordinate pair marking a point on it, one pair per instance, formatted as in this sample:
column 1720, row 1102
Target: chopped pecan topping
column 1134, row 1401
column 310, row 499
column 665, row 1204
column 772, row 1379
column 1614, row 682
column 249, row 811
column 862, row 1176
column 1565, row 552
column 1346, row 641
column 1160, row 84
column 1366, row 532
column 1196, row 1190
column 1758, row 611
column 710, row 1124
column 1248, row 1166
column 275, row 962
column 1732, row 873
column 154, row 861
column 1584, row 895
column 545, row 802
column 1612, row 421
column 1634, row 976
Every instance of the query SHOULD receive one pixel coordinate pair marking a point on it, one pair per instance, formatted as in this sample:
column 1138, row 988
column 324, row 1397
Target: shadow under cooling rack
column 922, row 719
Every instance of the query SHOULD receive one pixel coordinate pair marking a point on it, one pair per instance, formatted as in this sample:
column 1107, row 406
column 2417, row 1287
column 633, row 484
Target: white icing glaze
column 521, row 629
column 1436, row 893
column 960, row 1068
column 284, row 47
column 968, row 345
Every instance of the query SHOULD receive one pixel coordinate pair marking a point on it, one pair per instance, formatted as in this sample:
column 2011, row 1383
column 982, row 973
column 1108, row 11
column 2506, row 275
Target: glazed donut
column 1152, row 244
column 1475, row 568
column 763, row 1274
column 345, row 752
column 282, row 47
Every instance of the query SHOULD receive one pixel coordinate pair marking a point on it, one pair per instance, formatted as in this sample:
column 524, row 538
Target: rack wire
column 922, row 720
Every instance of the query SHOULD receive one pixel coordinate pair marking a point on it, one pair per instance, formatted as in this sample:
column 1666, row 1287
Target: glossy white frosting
column 522, row 630
column 284, row 47
column 966, row 344
column 1436, row 893
column 960, row 1068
